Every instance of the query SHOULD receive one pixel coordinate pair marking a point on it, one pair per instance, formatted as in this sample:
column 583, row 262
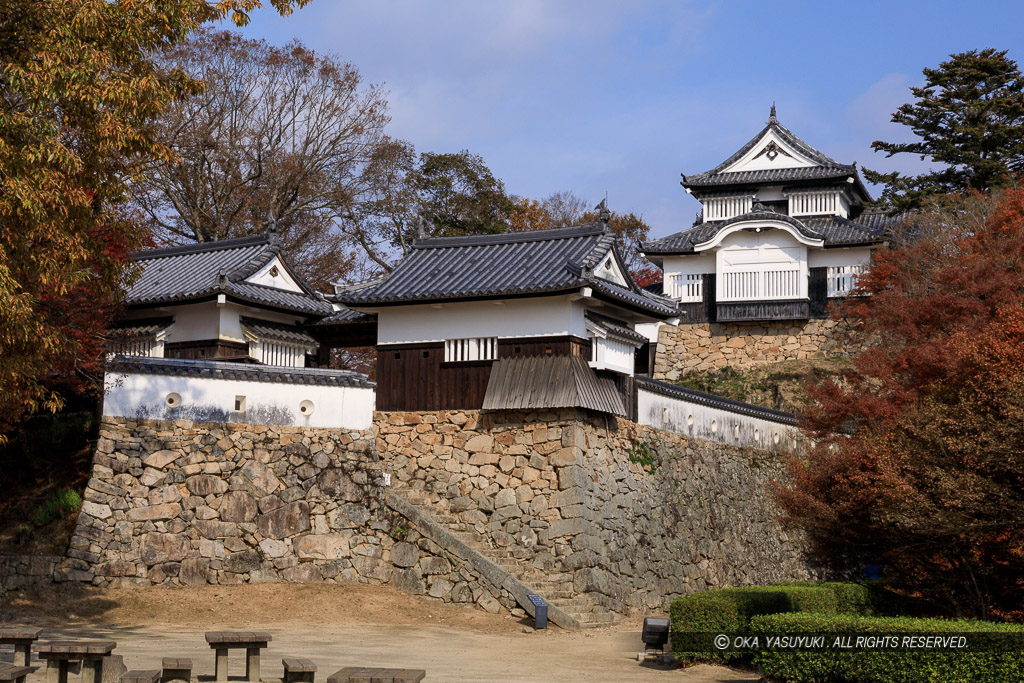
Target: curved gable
column 763, row 220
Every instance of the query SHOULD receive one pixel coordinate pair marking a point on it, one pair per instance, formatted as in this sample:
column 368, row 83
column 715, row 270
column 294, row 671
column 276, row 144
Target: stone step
column 603, row 618
column 555, row 597
column 571, row 604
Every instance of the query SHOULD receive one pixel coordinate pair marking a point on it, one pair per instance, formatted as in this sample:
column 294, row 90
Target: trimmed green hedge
column 729, row 610
column 829, row 666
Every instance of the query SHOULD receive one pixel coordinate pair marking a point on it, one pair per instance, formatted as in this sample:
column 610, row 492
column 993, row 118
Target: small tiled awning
column 531, row 382
column 602, row 326
column 144, row 328
column 279, row 332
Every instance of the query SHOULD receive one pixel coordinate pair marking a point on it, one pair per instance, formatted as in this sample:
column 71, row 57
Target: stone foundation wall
column 560, row 491
column 187, row 503
column 21, row 571
column 563, row 492
column 710, row 346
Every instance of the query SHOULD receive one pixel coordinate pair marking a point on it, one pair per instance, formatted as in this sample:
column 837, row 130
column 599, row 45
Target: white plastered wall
column 139, row 395
column 852, row 256
column 713, row 424
column 210, row 320
column 759, row 251
column 511, row 318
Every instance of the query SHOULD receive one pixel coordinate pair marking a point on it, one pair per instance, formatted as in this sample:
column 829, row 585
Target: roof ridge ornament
column 771, row 115
column 272, row 237
column 603, row 214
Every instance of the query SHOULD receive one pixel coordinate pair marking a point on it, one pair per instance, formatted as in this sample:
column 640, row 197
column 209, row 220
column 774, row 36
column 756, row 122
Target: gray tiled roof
column 827, row 168
column 772, row 175
column 199, row 271
column 615, row 328
column 345, row 315
column 504, row 265
column 714, row 401
column 237, row 371
column 277, row 331
column 144, row 327
column 835, row 230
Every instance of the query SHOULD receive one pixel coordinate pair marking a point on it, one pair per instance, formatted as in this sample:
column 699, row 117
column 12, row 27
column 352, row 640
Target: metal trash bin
column 540, row 611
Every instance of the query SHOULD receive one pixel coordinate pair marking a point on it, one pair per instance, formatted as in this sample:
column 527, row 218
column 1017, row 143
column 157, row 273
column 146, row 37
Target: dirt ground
column 337, row 626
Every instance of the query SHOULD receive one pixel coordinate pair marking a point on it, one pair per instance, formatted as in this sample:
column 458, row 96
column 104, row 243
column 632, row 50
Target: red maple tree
column 918, row 459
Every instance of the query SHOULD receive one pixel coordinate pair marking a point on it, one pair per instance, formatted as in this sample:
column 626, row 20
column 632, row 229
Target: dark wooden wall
column 415, row 376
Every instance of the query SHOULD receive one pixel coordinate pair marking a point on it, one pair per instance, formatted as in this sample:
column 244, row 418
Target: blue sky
column 598, row 96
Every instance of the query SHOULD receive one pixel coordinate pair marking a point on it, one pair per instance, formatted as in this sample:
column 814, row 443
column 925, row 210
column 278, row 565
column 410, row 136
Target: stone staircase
column 565, row 607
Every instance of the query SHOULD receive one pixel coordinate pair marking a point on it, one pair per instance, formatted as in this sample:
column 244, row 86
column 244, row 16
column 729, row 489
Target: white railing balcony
column 686, row 288
column 757, row 285
column 842, row 279
column 723, row 208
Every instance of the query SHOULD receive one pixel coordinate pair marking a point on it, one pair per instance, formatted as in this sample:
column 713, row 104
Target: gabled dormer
column 781, row 172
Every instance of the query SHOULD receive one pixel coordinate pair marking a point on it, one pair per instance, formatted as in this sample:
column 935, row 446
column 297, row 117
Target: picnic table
column 360, row 674
column 91, row 653
column 22, row 639
column 252, row 642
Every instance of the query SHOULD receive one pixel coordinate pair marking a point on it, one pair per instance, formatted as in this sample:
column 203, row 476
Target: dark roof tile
column 510, row 264
column 198, row 271
column 237, row 371
column 835, row 230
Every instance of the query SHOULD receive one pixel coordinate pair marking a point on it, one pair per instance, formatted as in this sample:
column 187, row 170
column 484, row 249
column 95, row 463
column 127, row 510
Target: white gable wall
column 755, row 161
column 283, row 279
column 609, row 269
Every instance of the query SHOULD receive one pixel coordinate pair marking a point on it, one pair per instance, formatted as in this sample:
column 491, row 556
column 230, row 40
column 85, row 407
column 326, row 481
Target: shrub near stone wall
column 558, row 489
column 183, row 502
column 709, row 346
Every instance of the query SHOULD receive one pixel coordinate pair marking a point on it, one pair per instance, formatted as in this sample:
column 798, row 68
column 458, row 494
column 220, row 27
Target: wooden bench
column 252, row 642
column 91, row 653
column 22, row 639
column 138, row 676
column 298, row 670
column 359, row 674
column 176, row 669
column 14, row 673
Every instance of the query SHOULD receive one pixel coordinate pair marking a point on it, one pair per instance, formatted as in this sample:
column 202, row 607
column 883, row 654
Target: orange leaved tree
column 919, row 460
column 78, row 90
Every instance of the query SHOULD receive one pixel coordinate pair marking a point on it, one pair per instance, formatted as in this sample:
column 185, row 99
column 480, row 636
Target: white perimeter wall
column 334, row 407
column 528, row 317
column 853, row 256
column 712, row 424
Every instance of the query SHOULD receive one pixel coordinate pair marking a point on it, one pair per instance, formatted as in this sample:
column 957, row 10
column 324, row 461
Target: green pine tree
column 969, row 118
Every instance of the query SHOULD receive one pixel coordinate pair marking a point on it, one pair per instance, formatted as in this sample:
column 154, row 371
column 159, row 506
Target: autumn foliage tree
column 278, row 136
column 919, row 458
column 78, row 88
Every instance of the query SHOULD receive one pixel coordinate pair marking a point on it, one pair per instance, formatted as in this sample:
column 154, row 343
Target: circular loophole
column 306, row 407
column 173, row 399
column 714, row 426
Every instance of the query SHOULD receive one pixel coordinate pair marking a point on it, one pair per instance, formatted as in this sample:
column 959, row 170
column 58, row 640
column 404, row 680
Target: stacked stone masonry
column 710, row 346
column 189, row 503
column 560, row 492
column 552, row 495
